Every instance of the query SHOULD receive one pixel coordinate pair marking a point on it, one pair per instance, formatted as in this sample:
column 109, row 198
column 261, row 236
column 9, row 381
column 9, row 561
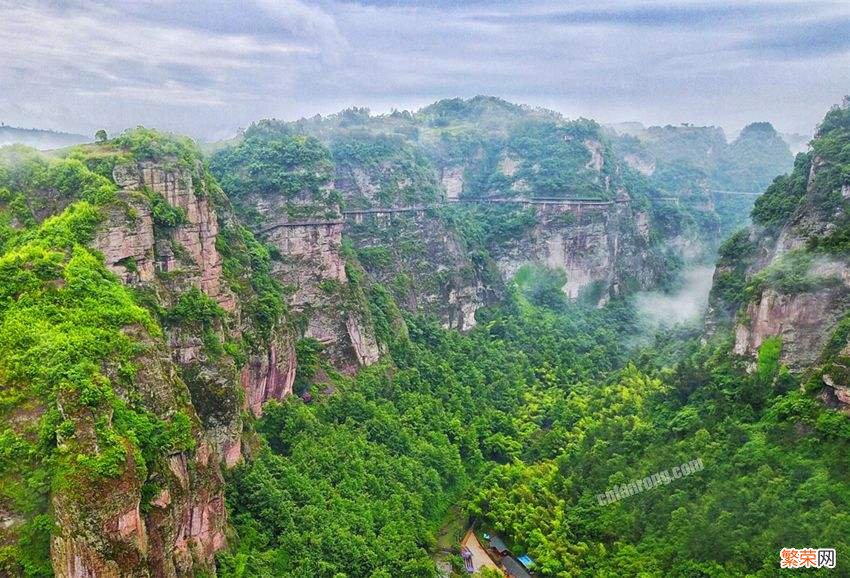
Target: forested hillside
column 715, row 181
column 315, row 350
column 550, row 409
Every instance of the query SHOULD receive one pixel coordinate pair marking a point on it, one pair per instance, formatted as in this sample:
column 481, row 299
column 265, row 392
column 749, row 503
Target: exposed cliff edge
column 146, row 402
column 445, row 224
column 283, row 188
column 787, row 277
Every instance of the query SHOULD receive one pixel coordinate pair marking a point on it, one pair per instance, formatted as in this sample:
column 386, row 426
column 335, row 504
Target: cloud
column 207, row 67
column 659, row 310
column 806, row 40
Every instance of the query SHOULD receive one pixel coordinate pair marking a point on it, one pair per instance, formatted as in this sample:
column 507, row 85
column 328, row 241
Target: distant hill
column 694, row 163
column 38, row 138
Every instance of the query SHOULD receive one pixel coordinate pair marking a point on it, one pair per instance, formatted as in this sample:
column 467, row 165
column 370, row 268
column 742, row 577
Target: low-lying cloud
column 659, row 310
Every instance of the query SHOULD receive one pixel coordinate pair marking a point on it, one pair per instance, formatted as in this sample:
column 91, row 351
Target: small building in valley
column 498, row 546
column 514, row 569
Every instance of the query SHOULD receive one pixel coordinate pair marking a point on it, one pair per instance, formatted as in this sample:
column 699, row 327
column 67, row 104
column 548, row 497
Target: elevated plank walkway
column 357, row 215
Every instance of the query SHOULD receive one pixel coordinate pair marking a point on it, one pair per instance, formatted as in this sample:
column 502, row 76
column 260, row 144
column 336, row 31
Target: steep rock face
column 803, row 312
column 451, row 179
column 193, row 239
column 403, row 245
column 312, row 265
column 170, row 258
column 269, row 375
column 789, row 276
column 424, row 263
column 128, row 244
column 107, row 529
column 599, row 246
column 799, row 319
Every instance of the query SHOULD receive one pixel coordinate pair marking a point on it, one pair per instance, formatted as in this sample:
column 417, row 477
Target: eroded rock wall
column 312, row 266
column 599, row 247
column 424, row 263
column 112, row 528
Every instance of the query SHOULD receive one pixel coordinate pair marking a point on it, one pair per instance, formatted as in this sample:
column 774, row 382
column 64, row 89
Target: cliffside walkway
column 357, row 215
column 741, row 193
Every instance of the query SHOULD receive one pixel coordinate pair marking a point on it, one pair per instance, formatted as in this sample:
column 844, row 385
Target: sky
column 207, row 68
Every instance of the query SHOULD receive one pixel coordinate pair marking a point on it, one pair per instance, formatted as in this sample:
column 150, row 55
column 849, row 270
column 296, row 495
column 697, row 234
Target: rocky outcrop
column 803, row 313
column 424, row 263
column 451, row 179
column 311, row 264
column 108, row 528
column 599, row 246
column 788, row 276
column 799, row 319
column 127, row 241
column 171, row 258
column 269, row 375
column 189, row 246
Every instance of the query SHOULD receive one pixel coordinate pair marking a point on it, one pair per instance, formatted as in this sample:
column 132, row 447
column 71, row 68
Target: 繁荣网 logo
column 807, row 558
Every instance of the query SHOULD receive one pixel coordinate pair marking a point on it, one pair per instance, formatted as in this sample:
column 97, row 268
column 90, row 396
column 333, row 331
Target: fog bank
column 659, row 310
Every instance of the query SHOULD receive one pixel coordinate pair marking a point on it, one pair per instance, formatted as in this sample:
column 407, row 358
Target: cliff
column 283, row 187
column 165, row 324
column 788, row 277
column 445, row 205
column 424, row 262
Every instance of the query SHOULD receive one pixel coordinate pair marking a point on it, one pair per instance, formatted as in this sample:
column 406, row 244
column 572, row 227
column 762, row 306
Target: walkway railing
column 358, row 214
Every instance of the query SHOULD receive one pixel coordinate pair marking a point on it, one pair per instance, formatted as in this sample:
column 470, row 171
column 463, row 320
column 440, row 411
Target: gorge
column 303, row 351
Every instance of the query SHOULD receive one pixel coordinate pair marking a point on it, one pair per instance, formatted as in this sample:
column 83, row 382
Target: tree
column 101, row 136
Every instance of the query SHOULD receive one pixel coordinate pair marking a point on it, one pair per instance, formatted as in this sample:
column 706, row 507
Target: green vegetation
column 356, row 482
column 246, row 264
column 270, row 161
column 147, row 144
column 688, row 162
column 777, row 204
column 77, row 417
column 520, row 423
column 194, row 308
column 62, row 321
column 37, row 185
column 402, row 174
column 542, row 286
column 754, row 159
column 403, row 154
column 736, row 254
column 163, row 214
column 557, row 160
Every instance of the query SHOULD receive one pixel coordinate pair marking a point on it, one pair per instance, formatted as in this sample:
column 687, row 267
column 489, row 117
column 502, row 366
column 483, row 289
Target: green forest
column 517, row 425
column 523, row 422
column 424, row 289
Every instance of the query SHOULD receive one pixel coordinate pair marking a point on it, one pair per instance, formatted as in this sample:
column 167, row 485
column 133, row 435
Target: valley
column 326, row 347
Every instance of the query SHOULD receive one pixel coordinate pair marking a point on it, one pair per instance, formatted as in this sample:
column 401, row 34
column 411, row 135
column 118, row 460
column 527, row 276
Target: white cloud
column 206, row 67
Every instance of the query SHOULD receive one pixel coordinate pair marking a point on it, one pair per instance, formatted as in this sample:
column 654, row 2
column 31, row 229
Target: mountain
column 786, row 274
column 715, row 180
column 154, row 308
column 38, row 138
column 304, row 354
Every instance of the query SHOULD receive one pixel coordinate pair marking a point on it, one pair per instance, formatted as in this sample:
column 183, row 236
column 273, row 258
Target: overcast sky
column 206, row 68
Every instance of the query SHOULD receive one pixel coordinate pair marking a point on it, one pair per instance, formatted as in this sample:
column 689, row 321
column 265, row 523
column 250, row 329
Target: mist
column 659, row 310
